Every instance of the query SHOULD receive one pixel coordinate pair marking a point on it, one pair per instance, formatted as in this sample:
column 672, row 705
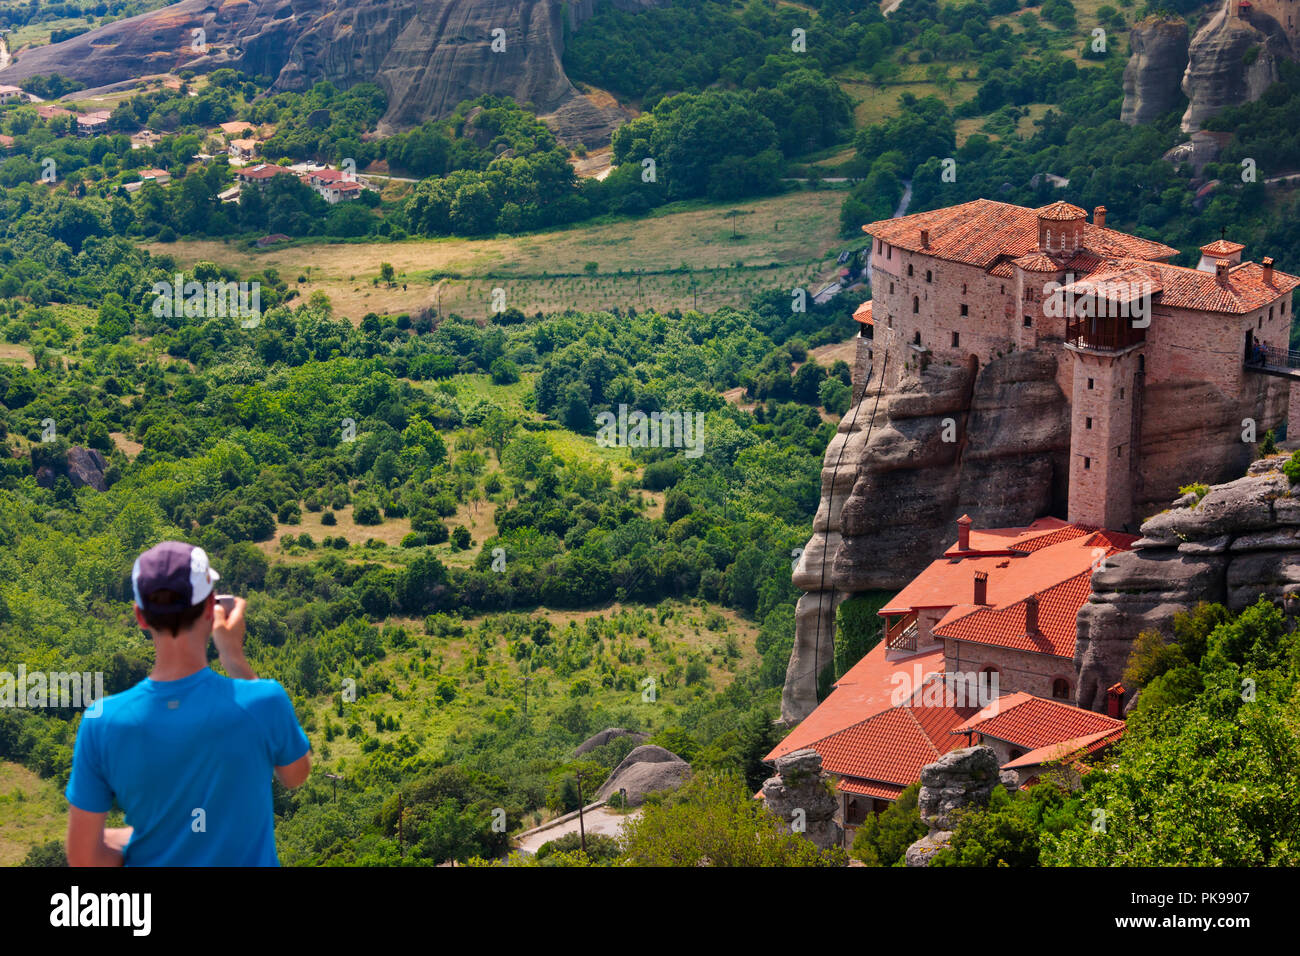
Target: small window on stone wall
column 1089, row 383
column 1087, row 463
column 1061, row 689
column 956, row 340
column 916, row 339
column 928, row 275
column 916, row 305
column 1087, row 423
column 909, row 269
column 965, row 309
column 1029, row 322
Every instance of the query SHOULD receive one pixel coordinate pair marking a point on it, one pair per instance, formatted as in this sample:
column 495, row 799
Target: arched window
column 916, row 305
column 928, row 274
column 909, row 268
column 1061, row 689
column 916, row 338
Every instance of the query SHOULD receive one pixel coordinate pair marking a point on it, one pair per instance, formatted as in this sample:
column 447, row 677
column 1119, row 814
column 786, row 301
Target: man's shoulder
column 256, row 694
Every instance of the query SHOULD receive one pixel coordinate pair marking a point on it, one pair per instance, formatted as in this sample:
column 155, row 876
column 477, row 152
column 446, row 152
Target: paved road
column 601, row 820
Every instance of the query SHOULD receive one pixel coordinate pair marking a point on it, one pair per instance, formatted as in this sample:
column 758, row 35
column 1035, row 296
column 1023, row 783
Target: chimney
column 981, row 587
column 1221, row 271
column 963, row 533
column 1099, row 216
column 1114, row 696
column 925, row 238
column 1268, row 270
column 1031, row 614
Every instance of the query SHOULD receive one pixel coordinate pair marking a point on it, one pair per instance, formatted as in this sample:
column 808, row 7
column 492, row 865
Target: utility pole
column 334, row 779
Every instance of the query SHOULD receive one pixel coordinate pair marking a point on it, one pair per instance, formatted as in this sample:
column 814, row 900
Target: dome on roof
column 1061, row 211
column 1038, row 262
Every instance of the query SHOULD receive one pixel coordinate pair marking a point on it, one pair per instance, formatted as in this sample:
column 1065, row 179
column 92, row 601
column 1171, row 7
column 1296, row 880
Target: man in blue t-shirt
column 187, row 754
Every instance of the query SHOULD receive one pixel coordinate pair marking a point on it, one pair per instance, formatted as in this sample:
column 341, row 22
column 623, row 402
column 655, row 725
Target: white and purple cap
column 173, row 566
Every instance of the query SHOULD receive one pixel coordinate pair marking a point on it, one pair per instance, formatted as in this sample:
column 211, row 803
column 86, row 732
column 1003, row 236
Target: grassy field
column 458, row 684
column 32, row 811
column 781, row 241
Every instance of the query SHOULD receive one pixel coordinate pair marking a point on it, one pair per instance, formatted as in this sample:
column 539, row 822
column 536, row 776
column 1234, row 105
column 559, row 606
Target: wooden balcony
column 901, row 634
column 1110, row 334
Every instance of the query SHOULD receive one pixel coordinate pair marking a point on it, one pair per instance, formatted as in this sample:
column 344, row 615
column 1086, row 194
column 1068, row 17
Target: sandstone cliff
column 1152, row 78
column 1241, row 540
column 893, row 488
column 428, row 55
column 1231, row 60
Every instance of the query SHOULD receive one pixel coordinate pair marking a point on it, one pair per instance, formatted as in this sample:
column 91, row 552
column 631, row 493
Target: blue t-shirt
column 190, row 762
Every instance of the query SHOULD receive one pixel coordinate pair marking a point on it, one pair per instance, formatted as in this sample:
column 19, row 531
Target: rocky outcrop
column 84, row 468
column 605, row 736
column 1231, row 60
column 1241, row 540
column 645, row 770
column 893, row 486
column 428, row 55
column 1153, row 76
column 799, row 796
column 957, row 781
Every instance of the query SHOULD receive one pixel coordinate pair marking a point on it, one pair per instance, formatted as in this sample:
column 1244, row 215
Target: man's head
column 173, row 582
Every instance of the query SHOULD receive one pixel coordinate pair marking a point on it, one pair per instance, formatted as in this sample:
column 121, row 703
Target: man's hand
column 228, row 635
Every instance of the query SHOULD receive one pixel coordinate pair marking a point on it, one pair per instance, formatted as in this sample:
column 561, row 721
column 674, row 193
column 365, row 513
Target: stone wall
column 1017, row 670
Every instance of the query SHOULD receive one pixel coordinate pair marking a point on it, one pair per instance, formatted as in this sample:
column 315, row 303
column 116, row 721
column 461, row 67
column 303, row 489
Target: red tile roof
column 981, row 232
column 885, row 791
column 1034, row 722
column 1221, row 248
column 894, row 745
column 1178, row 287
column 1061, row 211
column 1002, row 622
column 863, row 313
column 1084, row 746
column 1016, row 568
column 866, row 689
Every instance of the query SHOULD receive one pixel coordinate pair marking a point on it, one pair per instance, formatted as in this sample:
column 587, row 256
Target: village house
column 48, row 111
column 983, row 279
column 11, row 94
column 243, row 150
column 159, row 176
column 94, row 123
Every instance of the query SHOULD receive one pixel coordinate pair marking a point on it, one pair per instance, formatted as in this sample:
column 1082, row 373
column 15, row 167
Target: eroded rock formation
column 893, row 486
column 1231, row 60
column 1154, row 74
column 798, row 796
column 1241, row 540
column 646, row 769
column 957, row 781
column 428, row 55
